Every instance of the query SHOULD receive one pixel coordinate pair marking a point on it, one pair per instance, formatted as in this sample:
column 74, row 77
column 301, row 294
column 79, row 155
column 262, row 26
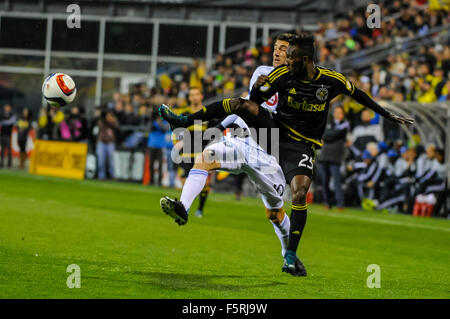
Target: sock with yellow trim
column 216, row 110
column 298, row 221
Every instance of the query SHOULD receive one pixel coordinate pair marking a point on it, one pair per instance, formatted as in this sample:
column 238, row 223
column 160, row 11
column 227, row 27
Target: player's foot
column 289, row 262
column 174, row 209
column 173, row 119
column 199, row 214
column 300, row 270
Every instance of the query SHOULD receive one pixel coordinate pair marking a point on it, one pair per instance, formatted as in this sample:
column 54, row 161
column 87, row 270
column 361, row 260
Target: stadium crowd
column 373, row 159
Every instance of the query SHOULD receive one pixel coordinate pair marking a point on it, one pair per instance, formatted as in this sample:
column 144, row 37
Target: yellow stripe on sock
column 299, row 207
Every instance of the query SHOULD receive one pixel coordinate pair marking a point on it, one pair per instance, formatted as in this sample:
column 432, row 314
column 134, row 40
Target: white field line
column 379, row 221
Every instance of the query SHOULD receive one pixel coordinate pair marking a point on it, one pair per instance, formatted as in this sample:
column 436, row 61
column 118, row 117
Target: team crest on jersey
column 322, row 94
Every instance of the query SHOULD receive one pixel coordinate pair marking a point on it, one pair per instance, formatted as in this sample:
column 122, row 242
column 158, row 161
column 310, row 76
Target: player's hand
column 260, row 81
column 400, row 120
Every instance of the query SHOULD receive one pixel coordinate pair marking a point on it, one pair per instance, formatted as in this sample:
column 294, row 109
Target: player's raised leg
column 216, row 110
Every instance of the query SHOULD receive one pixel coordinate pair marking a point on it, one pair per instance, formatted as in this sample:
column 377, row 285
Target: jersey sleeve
column 343, row 85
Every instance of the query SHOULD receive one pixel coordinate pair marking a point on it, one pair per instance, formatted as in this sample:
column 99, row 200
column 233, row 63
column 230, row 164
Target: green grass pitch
column 127, row 248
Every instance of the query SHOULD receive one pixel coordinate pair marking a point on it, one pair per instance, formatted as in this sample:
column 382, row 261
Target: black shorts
column 186, row 167
column 296, row 159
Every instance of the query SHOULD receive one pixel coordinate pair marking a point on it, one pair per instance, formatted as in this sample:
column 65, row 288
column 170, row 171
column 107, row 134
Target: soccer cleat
column 174, row 209
column 289, row 262
column 173, row 119
column 300, row 270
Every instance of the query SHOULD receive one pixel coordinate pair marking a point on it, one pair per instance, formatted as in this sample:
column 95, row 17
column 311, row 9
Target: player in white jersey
column 236, row 152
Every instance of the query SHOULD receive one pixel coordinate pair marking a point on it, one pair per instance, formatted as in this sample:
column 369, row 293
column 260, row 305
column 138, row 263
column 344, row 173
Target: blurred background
column 128, row 57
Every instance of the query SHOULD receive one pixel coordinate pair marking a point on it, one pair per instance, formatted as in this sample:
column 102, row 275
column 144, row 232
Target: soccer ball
column 59, row 89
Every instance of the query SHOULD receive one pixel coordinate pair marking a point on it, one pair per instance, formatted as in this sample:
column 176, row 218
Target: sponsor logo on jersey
column 273, row 100
column 305, row 106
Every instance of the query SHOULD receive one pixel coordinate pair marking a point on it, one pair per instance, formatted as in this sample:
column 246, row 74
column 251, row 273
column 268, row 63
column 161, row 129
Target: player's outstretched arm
column 362, row 98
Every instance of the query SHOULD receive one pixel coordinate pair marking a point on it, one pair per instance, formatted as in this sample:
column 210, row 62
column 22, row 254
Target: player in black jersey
column 304, row 91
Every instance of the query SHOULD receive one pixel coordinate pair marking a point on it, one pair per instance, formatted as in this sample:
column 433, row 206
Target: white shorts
column 244, row 155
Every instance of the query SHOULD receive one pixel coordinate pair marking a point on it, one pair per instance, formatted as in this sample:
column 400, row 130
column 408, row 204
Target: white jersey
column 270, row 104
column 243, row 155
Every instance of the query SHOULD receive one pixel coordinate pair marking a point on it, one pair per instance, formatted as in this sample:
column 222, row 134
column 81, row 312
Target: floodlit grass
column 127, row 248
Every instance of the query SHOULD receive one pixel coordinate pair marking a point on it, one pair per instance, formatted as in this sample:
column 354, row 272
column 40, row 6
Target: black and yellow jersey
column 193, row 133
column 303, row 105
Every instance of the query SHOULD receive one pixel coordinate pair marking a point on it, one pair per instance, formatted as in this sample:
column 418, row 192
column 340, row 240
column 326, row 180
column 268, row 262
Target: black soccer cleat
column 292, row 265
column 173, row 119
column 174, row 209
column 300, row 270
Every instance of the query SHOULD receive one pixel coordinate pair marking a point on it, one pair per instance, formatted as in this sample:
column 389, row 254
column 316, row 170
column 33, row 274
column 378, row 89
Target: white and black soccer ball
column 59, row 89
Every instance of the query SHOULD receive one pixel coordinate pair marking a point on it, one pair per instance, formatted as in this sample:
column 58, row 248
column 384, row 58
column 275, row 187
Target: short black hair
column 288, row 37
column 305, row 42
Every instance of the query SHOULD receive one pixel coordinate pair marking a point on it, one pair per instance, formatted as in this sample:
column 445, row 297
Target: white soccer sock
column 282, row 231
column 194, row 184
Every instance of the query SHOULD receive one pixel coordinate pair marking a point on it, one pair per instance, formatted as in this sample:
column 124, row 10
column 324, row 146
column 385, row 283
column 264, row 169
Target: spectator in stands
column 365, row 185
column 171, row 168
column 331, row 156
column 50, row 119
column 7, row 122
column 365, row 133
column 23, row 128
column 430, row 186
column 107, row 127
column 93, row 127
column 425, row 161
column 119, row 114
column 157, row 144
column 129, row 119
column 74, row 126
column 373, row 175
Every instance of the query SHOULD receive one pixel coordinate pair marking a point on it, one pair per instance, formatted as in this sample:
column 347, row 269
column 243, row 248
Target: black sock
column 216, row 110
column 298, row 221
column 202, row 199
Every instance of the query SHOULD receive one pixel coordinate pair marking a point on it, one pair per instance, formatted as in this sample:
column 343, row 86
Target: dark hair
column 288, row 37
column 305, row 42
column 440, row 151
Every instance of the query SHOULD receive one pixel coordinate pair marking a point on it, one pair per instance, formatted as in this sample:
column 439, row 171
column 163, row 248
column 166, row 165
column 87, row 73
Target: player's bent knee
column 206, row 161
column 299, row 195
column 275, row 215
